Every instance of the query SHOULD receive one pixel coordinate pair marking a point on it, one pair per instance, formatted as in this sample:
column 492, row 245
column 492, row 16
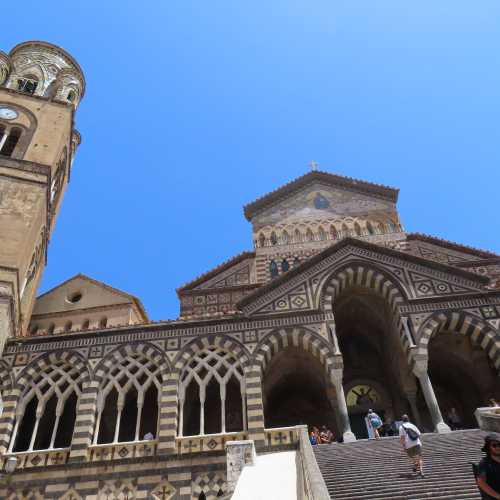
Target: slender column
column 244, row 405
column 202, row 409
column 255, row 406
column 412, row 399
column 120, row 405
column 140, row 404
column 97, row 426
column 88, row 408
column 35, row 429
column 347, row 434
column 420, row 371
column 181, row 413
column 223, row 407
column 54, row 431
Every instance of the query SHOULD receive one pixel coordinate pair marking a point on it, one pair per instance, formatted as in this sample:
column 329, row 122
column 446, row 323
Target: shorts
column 414, row 451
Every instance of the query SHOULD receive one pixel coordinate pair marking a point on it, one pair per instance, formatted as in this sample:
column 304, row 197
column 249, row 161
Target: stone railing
column 281, row 436
column 208, row 442
column 310, row 482
column 116, row 451
column 488, row 418
column 42, row 458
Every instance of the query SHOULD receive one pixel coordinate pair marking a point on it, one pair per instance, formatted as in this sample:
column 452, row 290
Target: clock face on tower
column 8, row 114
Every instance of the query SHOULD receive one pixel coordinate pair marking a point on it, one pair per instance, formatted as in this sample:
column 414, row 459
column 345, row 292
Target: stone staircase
column 379, row 470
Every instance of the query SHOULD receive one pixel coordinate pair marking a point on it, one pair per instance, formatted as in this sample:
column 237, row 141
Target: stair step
column 380, row 470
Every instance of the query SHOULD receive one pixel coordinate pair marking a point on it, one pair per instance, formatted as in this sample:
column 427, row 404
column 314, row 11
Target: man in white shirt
column 409, row 435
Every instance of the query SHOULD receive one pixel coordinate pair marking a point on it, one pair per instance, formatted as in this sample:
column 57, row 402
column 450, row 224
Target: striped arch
column 480, row 332
column 301, row 337
column 361, row 274
column 39, row 364
column 220, row 341
column 114, row 358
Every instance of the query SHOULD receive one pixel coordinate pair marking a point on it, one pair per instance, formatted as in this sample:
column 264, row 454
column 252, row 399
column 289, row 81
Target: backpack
column 375, row 421
column 412, row 434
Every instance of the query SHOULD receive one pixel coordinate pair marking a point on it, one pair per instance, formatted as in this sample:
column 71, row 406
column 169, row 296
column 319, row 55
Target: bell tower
column 41, row 86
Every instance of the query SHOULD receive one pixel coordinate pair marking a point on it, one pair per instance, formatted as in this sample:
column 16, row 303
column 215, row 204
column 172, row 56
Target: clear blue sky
column 194, row 108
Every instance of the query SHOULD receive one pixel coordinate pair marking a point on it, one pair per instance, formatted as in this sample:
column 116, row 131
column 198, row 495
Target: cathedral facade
column 336, row 309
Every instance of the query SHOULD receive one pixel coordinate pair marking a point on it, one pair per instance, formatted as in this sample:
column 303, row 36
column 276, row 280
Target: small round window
column 75, row 297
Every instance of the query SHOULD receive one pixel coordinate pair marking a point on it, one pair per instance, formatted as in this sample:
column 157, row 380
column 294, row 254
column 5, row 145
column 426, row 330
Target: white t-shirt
column 409, row 443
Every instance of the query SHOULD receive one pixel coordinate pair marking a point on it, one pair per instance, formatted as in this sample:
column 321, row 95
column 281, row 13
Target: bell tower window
column 27, row 85
column 8, row 141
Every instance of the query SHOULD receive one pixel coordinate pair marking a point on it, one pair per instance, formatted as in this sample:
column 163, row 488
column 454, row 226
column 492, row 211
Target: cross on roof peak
column 313, row 165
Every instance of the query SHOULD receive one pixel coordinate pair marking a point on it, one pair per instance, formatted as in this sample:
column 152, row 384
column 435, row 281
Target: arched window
column 71, row 96
column 273, row 269
column 68, row 326
column 381, row 228
column 321, row 234
column 285, row 266
column 297, row 236
column 285, row 238
column 34, row 330
column 333, row 232
column 273, row 239
column 47, row 409
column 212, row 394
column 103, row 322
column 357, row 229
column 345, row 230
column 309, row 235
column 86, row 324
column 51, row 328
column 10, row 142
column 127, row 408
column 369, row 228
column 262, row 240
column 27, row 85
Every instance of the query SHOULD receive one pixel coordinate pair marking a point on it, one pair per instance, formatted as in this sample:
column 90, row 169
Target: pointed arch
column 49, row 389
column 357, row 229
column 334, row 234
column 301, row 337
column 262, row 240
column 297, row 236
column 370, row 228
column 309, row 235
column 130, row 382
column 321, row 234
column 273, row 239
column 360, row 274
column 345, row 230
column 211, row 376
column 480, row 332
column 285, row 238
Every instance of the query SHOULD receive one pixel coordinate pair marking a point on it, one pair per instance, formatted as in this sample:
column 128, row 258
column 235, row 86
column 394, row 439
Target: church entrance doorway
column 362, row 396
column 296, row 391
column 375, row 366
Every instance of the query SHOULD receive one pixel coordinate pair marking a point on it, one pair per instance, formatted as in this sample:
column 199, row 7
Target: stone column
column 420, row 371
column 411, row 396
column 255, row 406
column 85, row 422
column 347, row 434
